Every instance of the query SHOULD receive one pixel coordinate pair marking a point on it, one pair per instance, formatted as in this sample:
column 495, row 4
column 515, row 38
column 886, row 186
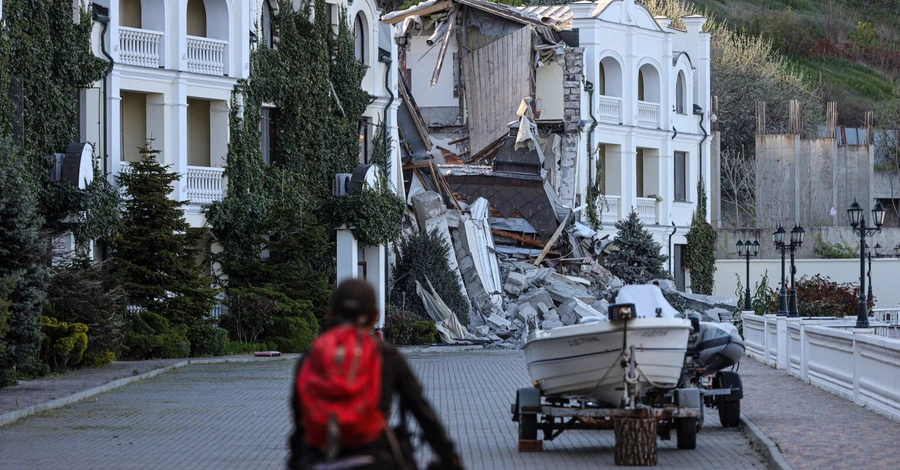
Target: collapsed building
column 511, row 118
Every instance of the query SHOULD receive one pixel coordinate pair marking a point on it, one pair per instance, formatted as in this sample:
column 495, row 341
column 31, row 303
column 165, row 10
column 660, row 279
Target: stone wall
column 572, row 91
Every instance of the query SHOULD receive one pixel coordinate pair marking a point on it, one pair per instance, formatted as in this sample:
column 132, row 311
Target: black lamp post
column 778, row 239
column 747, row 250
column 869, row 253
column 858, row 222
column 797, row 236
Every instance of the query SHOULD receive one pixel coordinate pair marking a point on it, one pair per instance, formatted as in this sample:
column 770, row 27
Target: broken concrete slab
column 526, row 313
column 515, row 283
column 703, row 303
column 550, row 324
column 539, row 277
column 601, row 306
column 552, row 315
column 563, row 291
column 543, row 309
column 535, row 297
column 496, row 322
column 482, row 330
column 574, row 310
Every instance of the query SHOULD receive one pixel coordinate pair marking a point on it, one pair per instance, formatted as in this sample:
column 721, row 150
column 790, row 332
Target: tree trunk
column 635, row 441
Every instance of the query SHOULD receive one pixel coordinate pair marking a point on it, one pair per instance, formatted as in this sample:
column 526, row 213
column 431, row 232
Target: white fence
column 646, row 210
column 610, row 205
column 610, row 110
column 859, row 365
column 206, row 55
column 139, row 47
column 648, row 115
column 205, row 184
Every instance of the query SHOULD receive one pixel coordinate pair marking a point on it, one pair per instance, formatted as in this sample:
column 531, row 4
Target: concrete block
column 543, row 309
column 482, row 330
column 601, row 306
column 561, row 292
column 515, row 283
column 550, row 324
column 496, row 322
column 539, row 277
column 428, row 205
column 525, row 313
column 534, row 297
column 552, row 315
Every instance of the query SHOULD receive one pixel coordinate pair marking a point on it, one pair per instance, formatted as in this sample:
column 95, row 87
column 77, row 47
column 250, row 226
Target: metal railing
column 648, row 115
column 646, row 209
column 610, row 110
column 204, row 184
column 206, row 56
column 139, row 47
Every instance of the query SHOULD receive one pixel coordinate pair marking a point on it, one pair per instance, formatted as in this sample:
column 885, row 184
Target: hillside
column 848, row 49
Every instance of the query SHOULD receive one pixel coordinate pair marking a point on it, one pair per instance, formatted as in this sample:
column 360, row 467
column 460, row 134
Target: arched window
column 601, row 88
column 640, row 85
column 196, row 18
column 359, row 39
column 680, row 85
column 610, row 78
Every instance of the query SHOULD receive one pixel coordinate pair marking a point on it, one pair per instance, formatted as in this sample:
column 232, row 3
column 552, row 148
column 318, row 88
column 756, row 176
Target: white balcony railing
column 648, row 115
column 139, row 47
column 204, row 184
column 206, row 56
column 610, row 207
column 610, row 110
column 646, row 210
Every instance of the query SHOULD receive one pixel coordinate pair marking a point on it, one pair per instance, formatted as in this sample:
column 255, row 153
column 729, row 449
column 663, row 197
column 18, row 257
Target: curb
column 765, row 445
column 13, row 416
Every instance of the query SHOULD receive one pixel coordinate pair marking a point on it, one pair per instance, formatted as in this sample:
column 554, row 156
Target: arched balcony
column 207, row 36
column 609, row 90
column 142, row 33
column 648, row 91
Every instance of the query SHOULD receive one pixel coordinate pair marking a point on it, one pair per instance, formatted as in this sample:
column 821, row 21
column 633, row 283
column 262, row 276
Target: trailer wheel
column 686, row 432
column 729, row 413
column 528, row 428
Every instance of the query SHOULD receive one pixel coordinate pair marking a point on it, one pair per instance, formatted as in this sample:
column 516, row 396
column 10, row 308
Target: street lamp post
column 869, row 253
column 797, row 236
column 778, row 239
column 858, row 222
column 747, row 250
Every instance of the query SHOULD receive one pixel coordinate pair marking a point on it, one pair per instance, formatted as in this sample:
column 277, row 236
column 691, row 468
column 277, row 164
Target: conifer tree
column 157, row 254
column 22, row 254
column 637, row 259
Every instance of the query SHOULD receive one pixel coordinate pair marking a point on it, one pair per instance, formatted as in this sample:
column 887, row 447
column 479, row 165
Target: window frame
column 680, row 172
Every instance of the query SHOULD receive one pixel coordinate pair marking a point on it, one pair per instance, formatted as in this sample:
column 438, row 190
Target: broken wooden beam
column 552, row 240
column 451, row 27
column 517, row 237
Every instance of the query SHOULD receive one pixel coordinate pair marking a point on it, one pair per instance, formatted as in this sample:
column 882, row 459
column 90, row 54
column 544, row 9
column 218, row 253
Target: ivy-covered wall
column 276, row 224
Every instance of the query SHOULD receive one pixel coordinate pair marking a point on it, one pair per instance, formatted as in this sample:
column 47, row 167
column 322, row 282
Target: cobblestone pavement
column 235, row 416
column 32, row 392
column 813, row 428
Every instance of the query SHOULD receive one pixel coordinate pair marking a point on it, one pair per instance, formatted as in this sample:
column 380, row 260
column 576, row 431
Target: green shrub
column 296, row 334
column 98, row 359
column 207, row 340
column 819, row 296
column 426, row 332
column 151, row 336
column 421, row 256
column 64, row 343
column 250, row 314
column 233, row 348
column 402, row 328
column 828, row 250
column 637, row 258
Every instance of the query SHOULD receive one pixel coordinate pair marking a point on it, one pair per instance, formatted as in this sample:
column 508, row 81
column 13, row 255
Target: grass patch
column 841, row 73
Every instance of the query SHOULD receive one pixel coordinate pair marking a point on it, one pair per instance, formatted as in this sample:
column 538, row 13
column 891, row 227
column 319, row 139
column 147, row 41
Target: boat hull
column 585, row 360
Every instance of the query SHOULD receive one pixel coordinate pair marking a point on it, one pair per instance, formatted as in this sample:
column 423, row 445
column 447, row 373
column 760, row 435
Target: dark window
column 678, row 267
column 455, row 76
column 680, row 183
column 359, row 39
column 602, row 81
column 364, row 151
column 268, row 127
column 268, row 37
column 679, row 93
column 640, row 85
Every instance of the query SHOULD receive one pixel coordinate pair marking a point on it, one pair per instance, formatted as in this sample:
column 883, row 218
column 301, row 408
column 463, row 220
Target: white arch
column 611, row 78
column 648, row 69
column 366, row 10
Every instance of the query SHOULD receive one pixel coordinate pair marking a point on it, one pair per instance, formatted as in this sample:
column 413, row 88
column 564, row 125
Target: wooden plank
column 552, row 241
column 528, row 241
column 451, row 27
column 388, row 19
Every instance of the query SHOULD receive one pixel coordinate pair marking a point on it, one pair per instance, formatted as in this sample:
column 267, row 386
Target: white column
column 375, row 274
column 179, row 39
column 347, row 255
column 179, row 145
column 113, row 127
column 781, row 361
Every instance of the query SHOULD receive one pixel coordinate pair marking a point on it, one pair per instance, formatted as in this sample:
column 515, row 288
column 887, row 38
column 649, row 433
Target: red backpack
column 340, row 383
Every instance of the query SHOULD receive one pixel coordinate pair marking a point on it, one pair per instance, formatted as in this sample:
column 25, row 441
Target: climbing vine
column 596, row 200
column 701, row 248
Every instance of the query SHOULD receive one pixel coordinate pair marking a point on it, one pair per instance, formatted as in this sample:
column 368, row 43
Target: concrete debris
column 482, row 330
column 552, row 316
column 515, row 283
column 535, row 297
column 446, row 322
column 543, row 309
column 550, row 324
column 526, row 313
column 563, row 290
column 479, row 240
column 540, row 276
column 496, row 322
column 601, row 306
column 574, row 310
column 667, row 285
column 703, row 303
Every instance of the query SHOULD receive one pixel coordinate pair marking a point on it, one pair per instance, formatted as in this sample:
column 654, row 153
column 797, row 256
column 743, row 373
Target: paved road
column 235, row 416
column 813, row 428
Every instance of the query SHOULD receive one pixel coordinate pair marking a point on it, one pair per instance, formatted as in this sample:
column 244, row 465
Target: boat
column 585, row 360
column 719, row 346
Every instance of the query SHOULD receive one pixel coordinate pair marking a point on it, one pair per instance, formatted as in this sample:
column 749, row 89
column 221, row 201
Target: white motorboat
column 585, row 360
